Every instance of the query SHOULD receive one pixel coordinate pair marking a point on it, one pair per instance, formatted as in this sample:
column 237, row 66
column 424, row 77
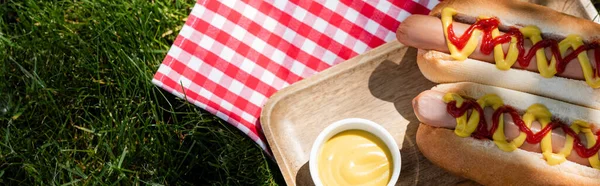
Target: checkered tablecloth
column 231, row 55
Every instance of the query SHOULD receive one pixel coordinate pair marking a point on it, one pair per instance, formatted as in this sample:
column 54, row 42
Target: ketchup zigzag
column 515, row 36
column 459, row 107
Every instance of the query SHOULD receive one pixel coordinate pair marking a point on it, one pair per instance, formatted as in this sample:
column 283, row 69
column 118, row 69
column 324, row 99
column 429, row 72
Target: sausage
column 431, row 110
column 426, row 32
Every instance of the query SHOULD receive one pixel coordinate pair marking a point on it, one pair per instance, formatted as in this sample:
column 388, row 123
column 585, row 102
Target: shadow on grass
column 220, row 153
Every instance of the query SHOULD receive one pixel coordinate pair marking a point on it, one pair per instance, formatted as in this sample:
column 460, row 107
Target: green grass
column 77, row 105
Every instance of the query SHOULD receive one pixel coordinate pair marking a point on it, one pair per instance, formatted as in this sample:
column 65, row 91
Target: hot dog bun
column 483, row 162
column 439, row 67
column 518, row 13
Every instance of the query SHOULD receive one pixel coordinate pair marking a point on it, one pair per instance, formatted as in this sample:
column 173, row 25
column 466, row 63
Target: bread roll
column 483, row 162
column 439, row 67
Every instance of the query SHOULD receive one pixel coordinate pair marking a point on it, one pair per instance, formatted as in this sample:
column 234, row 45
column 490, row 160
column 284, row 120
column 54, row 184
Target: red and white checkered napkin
column 231, row 55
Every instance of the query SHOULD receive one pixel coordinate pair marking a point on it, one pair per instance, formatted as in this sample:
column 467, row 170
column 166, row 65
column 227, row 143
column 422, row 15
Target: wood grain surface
column 378, row 85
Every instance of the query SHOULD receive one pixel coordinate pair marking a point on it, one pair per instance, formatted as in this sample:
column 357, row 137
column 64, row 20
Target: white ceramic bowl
column 360, row 124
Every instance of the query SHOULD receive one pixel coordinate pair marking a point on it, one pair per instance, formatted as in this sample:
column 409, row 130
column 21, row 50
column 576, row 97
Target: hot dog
column 515, row 45
column 497, row 156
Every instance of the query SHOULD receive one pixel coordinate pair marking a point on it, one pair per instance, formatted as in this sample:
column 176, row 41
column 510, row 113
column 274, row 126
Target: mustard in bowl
column 354, row 151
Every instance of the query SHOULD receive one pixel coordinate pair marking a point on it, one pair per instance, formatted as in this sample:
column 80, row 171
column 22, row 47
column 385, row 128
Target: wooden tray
column 378, row 85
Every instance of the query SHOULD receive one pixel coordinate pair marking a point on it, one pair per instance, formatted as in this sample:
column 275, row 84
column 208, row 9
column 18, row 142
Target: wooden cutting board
column 378, row 85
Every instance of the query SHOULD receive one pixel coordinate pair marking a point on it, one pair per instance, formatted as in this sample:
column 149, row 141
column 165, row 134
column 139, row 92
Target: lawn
column 77, row 105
